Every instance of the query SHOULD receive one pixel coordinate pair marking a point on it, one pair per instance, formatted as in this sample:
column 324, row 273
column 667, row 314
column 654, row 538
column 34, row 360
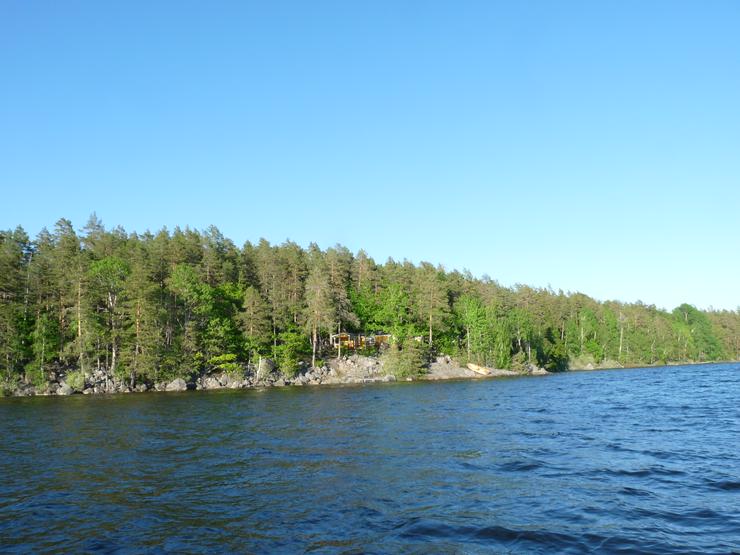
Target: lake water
column 623, row 460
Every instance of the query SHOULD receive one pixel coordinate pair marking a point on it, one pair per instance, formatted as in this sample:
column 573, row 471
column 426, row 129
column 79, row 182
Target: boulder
column 64, row 389
column 265, row 367
column 211, row 382
column 24, row 390
column 177, row 384
column 482, row 370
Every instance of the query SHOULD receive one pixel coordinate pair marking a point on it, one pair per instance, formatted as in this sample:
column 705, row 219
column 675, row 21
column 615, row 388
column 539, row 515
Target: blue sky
column 588, row 146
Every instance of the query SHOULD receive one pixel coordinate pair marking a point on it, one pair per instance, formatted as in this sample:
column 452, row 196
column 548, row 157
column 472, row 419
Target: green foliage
column 35, row 375
column 393, row 310
column 7, row 386
column 556, row 359
column 519, row 361
column 158, row 306
column 406, row 361
column 76, row 380
column 254, row 320
column 292, row 349
column 109, row 273
column 695, row 329
column 596, row 350
column 226, row 363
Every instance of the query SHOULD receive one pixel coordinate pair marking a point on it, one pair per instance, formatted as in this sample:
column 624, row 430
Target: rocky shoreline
column 347, row 370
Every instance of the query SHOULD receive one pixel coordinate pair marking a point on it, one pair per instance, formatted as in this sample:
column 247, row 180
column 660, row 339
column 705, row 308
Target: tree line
column 155, row 306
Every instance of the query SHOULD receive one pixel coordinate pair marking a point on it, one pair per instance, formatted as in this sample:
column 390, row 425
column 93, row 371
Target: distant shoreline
column 347, row 371
column 633, row 366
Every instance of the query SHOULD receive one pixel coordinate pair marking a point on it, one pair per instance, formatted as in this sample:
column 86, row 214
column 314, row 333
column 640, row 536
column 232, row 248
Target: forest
column 154, row 306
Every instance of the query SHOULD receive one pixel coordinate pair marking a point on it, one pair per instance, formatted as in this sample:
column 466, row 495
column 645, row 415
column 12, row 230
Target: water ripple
column 641, row 460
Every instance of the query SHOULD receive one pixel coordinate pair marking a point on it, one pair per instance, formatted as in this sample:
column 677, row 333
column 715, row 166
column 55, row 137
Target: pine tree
column 432, row 303
column 13, row 261
column 255, row 321
column 321, row 308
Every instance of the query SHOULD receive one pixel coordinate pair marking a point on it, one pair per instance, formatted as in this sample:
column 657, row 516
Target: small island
column 106, row 311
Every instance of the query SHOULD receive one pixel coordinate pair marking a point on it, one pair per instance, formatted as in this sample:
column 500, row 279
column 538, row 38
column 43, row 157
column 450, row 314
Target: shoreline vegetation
column 105, row 311
column 348, row 371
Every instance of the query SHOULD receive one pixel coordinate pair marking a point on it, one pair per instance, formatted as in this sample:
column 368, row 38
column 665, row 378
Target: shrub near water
column 406, row 361
column 76, row 380
column 6, row 387
column 227, row 363
column 294, row 346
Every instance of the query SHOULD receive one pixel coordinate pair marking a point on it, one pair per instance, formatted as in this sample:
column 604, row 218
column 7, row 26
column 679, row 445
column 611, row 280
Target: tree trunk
column 79, row 325
column 137, row 347
column 430, row 329
column 274, row 339
column 467, row 333
column 113, row 338
column 313, row 341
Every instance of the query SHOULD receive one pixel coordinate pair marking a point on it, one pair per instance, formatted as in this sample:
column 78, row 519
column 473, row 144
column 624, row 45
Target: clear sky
column 589, row 146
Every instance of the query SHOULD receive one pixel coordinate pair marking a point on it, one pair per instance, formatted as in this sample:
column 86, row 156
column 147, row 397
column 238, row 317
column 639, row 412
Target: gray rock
column 265, row 367
column 141, row 387
column 64, row 389
column 177, row 384
column 211, row 383
column 24, row 390
column 279, row 383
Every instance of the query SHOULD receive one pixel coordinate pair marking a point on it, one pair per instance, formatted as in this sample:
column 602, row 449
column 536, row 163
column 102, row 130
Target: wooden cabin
column 345, row 340
column 358, row 341
column 382, row 339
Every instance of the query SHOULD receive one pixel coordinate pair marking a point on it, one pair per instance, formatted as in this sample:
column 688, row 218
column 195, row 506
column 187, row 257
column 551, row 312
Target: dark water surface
column 625, row 460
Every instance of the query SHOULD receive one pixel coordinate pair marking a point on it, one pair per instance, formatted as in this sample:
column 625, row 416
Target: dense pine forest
column 154, row 306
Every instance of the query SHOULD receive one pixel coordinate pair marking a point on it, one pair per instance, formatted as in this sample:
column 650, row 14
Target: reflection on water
column 643, row 459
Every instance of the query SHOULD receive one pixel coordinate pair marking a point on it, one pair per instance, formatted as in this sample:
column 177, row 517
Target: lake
column 622, row 460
